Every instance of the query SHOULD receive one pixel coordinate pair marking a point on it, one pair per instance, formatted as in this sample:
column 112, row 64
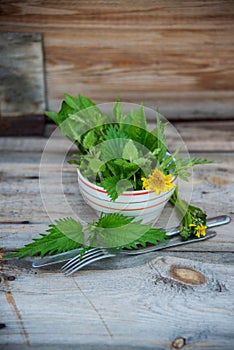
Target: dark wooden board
column 22, row 88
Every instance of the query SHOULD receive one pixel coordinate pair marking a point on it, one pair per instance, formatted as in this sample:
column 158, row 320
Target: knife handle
column 212, row 222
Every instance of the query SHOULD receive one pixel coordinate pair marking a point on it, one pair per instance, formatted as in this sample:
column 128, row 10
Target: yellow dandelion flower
column 200, row 230
column 157, row 182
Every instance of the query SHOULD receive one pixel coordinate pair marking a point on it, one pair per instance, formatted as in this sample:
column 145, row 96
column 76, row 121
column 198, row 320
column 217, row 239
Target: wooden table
column 176, row 298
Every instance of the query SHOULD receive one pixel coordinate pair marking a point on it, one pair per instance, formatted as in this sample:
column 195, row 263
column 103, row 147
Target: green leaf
column 116, row 230
column 130, row 151
column 53, row 116
column 159, row 133
column 85, row 103
column 71, row 228
column 124, row 169
column 95, row 165
column 73, row 102
column 120, row 169
column 110, row 185
column 112, row 149
column 118, row 112
column 113, row 144
column 183, row 164
column 152, row 236
column 89, row 140
column 64, row 113
column 66, row 234
column 137, row 118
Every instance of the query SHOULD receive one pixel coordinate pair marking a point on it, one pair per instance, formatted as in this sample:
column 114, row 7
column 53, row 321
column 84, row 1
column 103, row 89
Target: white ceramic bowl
column 143, row 205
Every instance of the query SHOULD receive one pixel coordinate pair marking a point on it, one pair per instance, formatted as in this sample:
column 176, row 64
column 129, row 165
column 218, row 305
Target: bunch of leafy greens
column 116, row 152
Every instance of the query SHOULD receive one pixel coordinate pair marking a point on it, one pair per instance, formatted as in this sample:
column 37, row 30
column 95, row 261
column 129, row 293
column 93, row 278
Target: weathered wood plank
column 22, row 91
column 22, row 75
column 141, row 302
column 21, row 197
column 215, row 136
column 178, row 55
column 146, row 305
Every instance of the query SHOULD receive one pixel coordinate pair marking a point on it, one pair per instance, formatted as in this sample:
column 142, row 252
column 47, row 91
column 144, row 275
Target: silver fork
column 62, row 257
column 95, row 254
column 90, row 256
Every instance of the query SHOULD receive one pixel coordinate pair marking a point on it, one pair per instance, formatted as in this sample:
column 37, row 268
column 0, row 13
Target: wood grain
column 182, row 296
column 177, row 55
column 22, row 90
column 138, row 307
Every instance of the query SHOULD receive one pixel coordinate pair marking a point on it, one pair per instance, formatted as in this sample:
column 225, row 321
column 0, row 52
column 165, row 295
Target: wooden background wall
column 178, row 55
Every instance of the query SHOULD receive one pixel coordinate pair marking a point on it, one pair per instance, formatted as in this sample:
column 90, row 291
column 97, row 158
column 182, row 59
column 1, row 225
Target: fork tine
column 77, row 258
column 85, row 261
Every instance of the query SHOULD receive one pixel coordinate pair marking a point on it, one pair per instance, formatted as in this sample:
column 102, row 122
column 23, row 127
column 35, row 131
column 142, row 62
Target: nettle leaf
column 152, row 236
column 64, row 113
column 89, row 140
column 86, row 103
column 130, row 151
column 114, row 141
column 71, row 228
column 110, row 185
column 95, row 165
column 114, row 132
column 113, row 220
column 73, row 102
column 118, row 112
column 160, row 135
column 66, row 234
column 143, row 137
column 112, row 149
column 138, row 118
column 116, row 230
column 124, row 168
column 53, row 116
column 183, row 165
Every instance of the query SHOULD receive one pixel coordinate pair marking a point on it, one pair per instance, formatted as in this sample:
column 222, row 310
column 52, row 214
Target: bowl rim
column 85, row 181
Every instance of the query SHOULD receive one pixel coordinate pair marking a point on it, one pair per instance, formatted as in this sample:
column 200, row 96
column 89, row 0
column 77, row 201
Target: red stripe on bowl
column 136, row 209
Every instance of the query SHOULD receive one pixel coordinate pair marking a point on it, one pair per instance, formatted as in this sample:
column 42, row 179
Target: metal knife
column 174, row 241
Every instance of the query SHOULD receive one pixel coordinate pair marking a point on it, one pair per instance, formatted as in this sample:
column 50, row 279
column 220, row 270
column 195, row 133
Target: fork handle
column 54, row 259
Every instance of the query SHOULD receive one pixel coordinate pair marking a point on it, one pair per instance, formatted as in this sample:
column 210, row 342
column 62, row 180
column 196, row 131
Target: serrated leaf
column 95, row 165
column 159, row 133
column 110, row 185
column 124, row 169
column 89, row 140
column 71, row 228
column 118, row 112
column 112, row 149
column 116, row 230
column 65, row 235
column 137, row 118
column 130, row 151
column 152, row 236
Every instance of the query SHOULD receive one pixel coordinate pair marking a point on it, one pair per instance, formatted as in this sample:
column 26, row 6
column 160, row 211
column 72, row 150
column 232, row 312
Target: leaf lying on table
column 113, row 230
column 65, row 235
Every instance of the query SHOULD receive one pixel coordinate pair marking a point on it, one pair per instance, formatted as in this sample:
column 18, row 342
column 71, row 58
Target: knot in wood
column 187, row 275
column 178, row 343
